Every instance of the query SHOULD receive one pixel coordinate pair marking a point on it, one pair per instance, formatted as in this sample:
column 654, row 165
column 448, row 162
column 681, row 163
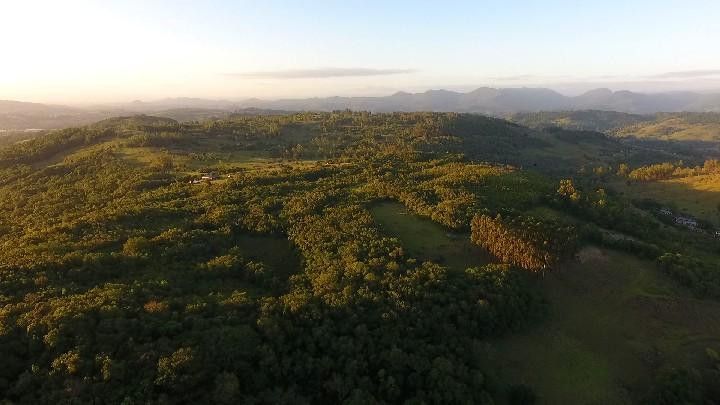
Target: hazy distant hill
column 627, row 101
column 484, row 100
column 19, row 107
column 16, row 115
column 177, row 103
column 503, row 101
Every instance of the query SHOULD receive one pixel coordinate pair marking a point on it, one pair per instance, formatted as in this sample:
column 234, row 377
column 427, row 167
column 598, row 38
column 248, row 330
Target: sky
column 82, row 52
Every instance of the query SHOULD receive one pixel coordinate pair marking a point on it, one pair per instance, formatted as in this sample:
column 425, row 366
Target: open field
column 427, row 240
column 552, row 214
column 613, row 321
column 696, row 195
column 674, row 128
column 193, row 163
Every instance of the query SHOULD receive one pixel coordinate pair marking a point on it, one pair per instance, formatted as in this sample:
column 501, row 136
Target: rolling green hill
column 683, row 126
column 582, row 120
column 338, row 257
column 677, row 127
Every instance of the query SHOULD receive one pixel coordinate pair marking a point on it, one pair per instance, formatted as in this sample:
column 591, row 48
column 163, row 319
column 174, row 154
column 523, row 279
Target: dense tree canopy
column 526, row 242
column 123, row 280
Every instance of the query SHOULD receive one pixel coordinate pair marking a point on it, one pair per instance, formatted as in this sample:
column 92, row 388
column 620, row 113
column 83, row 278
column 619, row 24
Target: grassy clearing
column 551, row 214
column 194, row 163
column 695, row 195
column 426, row 240
column 614, row 320
column 139, row 156
column 227, row 160
column 675, row 128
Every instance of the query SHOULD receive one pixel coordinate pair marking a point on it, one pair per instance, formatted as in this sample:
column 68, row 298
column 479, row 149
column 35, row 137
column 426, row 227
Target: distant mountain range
column 503, row 101
column 485, row 100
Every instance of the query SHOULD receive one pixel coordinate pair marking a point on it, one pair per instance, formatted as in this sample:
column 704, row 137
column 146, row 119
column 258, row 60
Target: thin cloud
column 320, row 73
column 688, row 74
column 528, row 78
column 516, row 77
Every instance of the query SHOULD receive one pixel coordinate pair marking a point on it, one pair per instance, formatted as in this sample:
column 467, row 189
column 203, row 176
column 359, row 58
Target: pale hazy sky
column 97, row 51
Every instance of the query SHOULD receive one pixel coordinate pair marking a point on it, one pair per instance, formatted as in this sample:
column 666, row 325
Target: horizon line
column 452, row 89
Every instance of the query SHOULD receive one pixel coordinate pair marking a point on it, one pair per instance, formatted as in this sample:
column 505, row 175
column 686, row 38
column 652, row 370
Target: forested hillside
column 582, row 120
column 676, row 127
column 663, row 126
column 244, row 260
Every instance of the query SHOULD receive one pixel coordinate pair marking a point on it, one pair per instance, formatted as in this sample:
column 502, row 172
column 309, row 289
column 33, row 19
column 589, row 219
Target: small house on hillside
column 204, row 178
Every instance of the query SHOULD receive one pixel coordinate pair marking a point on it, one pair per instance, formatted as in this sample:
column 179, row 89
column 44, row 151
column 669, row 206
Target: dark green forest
column 128, row 277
